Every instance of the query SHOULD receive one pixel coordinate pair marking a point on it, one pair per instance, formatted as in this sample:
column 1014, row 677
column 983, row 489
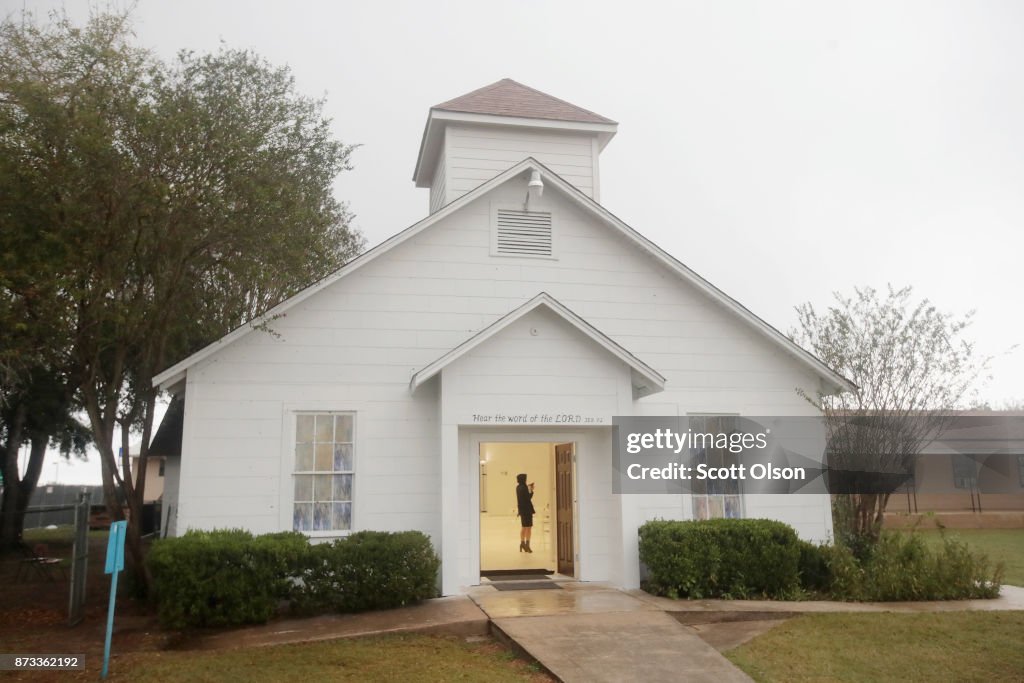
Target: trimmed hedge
column 746, row 558
column 368, row 570
column 815, row 574
column 223, row 577
column 728, row 558
column 229, row 577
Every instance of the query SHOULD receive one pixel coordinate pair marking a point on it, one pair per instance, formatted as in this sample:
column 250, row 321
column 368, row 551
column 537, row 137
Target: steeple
column 470, row 139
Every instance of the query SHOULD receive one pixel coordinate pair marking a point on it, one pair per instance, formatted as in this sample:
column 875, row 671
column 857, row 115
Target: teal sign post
column 115, row 563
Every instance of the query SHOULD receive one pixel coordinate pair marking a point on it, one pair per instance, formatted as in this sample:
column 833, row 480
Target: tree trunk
column 9, row 536
column 137, row 497
column 27, row 487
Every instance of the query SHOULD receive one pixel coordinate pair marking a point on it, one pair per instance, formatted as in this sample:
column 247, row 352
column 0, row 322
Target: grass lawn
column 1001, row 545
column 63, row 535
column 387, row 658
column 943, row 646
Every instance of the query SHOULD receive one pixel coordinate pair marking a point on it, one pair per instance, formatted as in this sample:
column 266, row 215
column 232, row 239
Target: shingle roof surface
column 509, row 98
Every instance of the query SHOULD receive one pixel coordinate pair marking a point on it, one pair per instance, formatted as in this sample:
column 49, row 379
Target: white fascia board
column 174, row 383
column 430, row 143
column 653, row 377
column 553, row 124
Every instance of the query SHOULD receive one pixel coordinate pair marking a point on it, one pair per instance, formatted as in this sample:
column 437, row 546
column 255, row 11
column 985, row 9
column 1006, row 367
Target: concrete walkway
column 591, row 632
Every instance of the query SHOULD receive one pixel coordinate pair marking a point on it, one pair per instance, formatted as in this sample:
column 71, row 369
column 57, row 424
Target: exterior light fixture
column 534, row 188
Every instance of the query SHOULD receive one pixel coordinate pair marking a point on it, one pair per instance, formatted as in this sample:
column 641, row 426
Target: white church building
column 498, row 335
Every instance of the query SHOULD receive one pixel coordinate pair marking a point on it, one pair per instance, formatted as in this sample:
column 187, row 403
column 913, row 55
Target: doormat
column 494, row 574
column 516, row 577
column 526, row 585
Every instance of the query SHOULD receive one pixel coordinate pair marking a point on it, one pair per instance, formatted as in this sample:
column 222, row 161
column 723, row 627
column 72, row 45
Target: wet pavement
column 574, row 598
column 592, row 632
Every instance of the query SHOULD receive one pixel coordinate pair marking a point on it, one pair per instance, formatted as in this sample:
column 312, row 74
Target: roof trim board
column 651, row 381
column 176, row 372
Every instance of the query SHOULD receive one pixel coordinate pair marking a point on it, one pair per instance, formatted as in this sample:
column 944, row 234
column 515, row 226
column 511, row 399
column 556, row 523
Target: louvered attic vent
column 524, row 233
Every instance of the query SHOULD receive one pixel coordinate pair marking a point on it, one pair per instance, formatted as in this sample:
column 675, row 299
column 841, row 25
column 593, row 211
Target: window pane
column 304, row 429
column 343, row 457
column 303, row 487
column 324, row 457
column 732, row 507
column 343, row 487
column 322, row 488
column 302, row 519
column 324, row 482
column 700, row 507
column 343, row 516
column 343, row 428
column 304, row 457
column 324, row 428
column 715, row 510
column 322, row 517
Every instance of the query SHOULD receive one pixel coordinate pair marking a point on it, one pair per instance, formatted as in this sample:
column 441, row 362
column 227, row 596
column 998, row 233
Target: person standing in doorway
column 524, row 500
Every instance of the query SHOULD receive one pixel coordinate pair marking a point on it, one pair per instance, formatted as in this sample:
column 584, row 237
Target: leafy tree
column 912, row 366
column 38, row 413
column 179, row 200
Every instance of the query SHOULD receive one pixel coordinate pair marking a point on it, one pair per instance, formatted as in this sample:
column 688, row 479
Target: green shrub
column 731, row 558
column 901, row 567
column 229, row 577
column 223, row 577
column 813, row 566
column 368, row 570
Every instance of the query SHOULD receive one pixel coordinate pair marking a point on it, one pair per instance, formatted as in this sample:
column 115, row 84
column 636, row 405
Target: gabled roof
column 176, row 373
column 509, row 98
column 646, row 380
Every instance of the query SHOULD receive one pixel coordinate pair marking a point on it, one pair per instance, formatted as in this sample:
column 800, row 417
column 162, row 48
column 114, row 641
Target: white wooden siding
column 355, row 345
column 473, row 154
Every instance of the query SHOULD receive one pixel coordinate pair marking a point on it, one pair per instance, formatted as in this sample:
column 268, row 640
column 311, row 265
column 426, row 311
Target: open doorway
column 550, row 467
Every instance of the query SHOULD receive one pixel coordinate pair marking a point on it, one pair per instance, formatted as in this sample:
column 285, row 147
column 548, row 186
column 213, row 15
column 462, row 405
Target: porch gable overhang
column 645, row 379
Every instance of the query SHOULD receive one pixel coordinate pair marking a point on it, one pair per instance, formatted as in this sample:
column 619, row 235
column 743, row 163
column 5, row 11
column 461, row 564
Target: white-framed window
column 324, row 471
column 715, row 498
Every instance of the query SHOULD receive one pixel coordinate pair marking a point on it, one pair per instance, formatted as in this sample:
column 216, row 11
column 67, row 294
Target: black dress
column 524, row 499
